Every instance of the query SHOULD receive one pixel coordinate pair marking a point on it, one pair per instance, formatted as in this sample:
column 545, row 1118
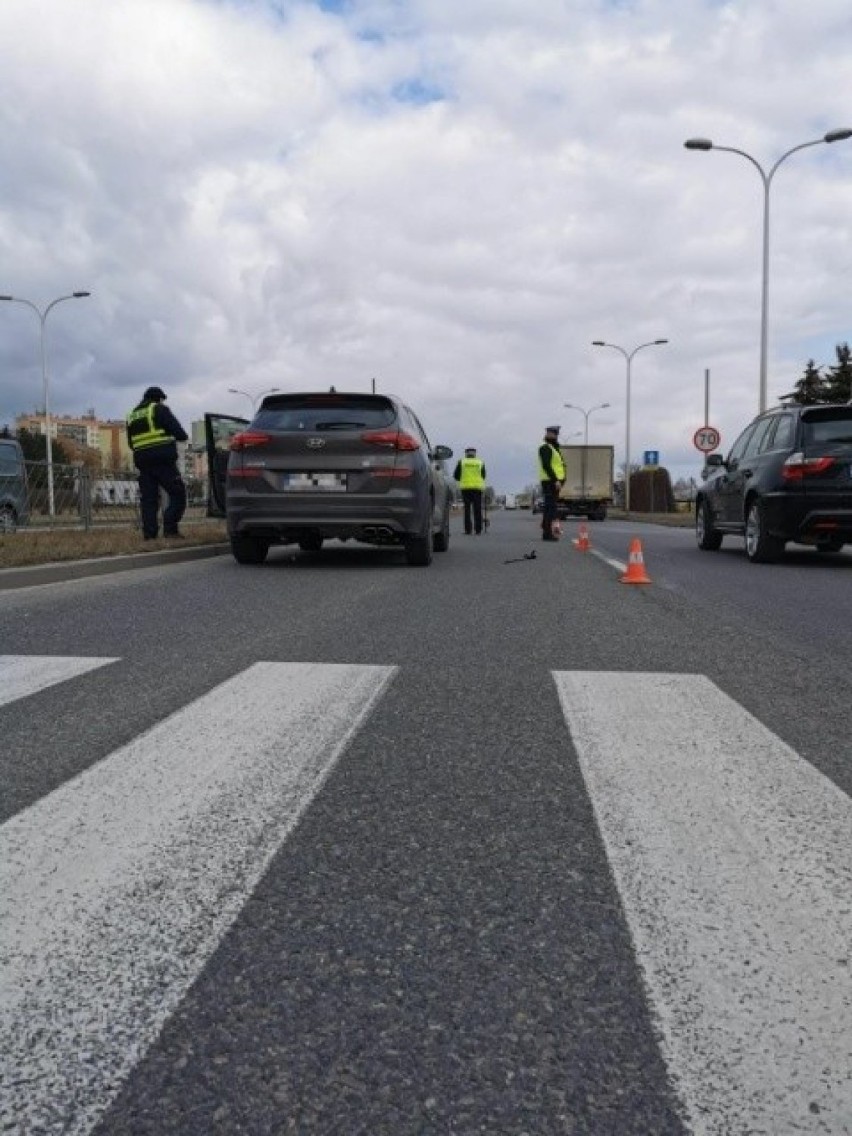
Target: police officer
column 551, row 474
column 152, row 434
column 470, row 474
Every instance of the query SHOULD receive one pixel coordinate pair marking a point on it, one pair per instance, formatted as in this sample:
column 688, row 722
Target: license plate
column 313, row 482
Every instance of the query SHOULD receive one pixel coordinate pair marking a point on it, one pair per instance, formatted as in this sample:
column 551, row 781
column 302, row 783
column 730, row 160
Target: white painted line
column 21, row 675
column 733, row 858
column 618, row 565
column 116, row 888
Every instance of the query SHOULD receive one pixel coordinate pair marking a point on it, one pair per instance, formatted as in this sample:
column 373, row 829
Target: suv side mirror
column 441, row 453
column 714, row 460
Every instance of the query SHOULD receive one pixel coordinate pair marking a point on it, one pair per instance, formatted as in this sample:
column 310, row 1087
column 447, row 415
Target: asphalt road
column 504, row 845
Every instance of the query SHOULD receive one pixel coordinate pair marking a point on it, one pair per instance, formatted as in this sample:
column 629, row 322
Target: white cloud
column 452, row 199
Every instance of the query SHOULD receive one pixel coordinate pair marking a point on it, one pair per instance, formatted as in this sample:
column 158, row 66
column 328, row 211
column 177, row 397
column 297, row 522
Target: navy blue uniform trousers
column 156, row 474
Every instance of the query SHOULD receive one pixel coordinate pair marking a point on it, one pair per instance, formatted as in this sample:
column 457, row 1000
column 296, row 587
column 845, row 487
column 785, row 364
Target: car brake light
column 248, row 439
column 797, row 467
column 397, row 471
column 391, row 439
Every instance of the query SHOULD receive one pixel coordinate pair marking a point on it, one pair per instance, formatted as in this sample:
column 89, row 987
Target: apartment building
column 109, row 438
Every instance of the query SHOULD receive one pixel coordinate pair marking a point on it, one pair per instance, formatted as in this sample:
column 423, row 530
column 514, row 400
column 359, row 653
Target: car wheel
column 832, row 545
column 707, row 535
column 8, row 520
column 311, row 542
column 249, row 549
column 418, row 549
column 761, row 548
column 441, row 539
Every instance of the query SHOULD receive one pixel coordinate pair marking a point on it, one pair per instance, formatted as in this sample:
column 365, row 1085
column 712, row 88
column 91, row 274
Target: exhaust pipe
column 380, row 533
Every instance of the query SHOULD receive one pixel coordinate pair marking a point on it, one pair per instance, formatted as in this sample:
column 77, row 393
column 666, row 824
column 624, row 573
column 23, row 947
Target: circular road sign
column 707, row 438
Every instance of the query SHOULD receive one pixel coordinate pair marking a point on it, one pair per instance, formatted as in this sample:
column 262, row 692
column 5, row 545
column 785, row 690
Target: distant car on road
column 787, row 477
column 14, row 494
column 320, row 465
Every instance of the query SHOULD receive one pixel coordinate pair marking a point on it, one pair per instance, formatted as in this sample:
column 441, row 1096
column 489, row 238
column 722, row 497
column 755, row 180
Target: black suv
column 324, row 465
column 788, row 477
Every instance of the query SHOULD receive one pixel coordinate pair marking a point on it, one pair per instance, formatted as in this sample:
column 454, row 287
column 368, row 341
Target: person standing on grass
column 470, row 474
column 551, row 474
column 153, row 433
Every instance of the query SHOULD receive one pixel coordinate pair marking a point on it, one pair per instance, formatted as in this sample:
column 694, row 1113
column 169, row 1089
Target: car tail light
column 391, row 440
column 246, row 471
column 248, row 439
column 398, row 471
column 797, row 467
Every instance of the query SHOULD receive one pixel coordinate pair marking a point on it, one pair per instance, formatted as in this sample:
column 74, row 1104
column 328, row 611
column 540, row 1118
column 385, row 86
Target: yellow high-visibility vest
column 142, row 431
column 471, row 473
column 556, row 462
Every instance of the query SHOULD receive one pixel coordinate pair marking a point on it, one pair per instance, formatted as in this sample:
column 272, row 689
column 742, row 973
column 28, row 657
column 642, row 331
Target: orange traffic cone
column 636, row 573
column 582, row 542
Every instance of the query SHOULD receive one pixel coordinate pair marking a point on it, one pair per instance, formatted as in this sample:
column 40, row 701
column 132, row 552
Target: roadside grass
column 25, row 548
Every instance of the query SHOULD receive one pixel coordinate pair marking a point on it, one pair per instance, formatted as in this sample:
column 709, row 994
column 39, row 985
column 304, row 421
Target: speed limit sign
column 706, row 439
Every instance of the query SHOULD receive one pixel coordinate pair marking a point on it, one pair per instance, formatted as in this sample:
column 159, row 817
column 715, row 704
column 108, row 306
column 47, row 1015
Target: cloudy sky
column 453, row 198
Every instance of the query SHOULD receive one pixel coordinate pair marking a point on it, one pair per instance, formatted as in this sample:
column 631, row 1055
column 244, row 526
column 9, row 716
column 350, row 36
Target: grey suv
column 787, row 477
column 321, row 465
column 14, row 497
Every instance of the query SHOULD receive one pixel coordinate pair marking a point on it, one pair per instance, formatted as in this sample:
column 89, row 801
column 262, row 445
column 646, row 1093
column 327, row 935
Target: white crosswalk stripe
column 21, row 675
column 733, row 858
column 117, row 887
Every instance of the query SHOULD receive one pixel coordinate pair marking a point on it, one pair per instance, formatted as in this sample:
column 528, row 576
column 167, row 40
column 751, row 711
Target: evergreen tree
column 34, row 447
column 838, row 386
column 809, row 390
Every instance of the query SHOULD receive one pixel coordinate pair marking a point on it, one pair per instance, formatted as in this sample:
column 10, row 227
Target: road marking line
column 618, row 565
column 21, row 675
column 117, row 887
column 733, row 858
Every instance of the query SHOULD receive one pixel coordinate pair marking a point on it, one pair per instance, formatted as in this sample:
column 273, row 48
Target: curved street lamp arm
column 766, row 177
column 801, row 146
column 614, row 346
column 763, row 175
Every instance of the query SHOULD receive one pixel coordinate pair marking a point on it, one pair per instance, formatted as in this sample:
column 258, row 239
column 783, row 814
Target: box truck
column 587, row 491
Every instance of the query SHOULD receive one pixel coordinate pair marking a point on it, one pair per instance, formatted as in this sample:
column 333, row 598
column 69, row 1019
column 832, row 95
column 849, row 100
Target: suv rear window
column 823, row 427
column 325, row 412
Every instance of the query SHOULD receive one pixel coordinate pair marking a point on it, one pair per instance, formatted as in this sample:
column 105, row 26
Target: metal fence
column 83, row 499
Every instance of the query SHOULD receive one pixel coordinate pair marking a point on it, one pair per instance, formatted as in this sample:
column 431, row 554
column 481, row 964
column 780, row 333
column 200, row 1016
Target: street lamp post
column 254, row 399
column 42, row 316
column 585, row 413
column 766, row 178
column 628, row 355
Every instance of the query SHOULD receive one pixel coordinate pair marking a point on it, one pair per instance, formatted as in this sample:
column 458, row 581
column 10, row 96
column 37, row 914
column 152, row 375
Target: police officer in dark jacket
column 152, row 434
column 551, row 474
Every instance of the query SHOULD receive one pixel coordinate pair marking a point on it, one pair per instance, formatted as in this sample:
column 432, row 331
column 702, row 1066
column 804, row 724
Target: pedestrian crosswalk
column 731, row 854
column 733, row 860
column 21, row 675
column 117, row 886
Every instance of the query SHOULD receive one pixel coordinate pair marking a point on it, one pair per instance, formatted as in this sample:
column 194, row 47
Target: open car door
column 219, row 429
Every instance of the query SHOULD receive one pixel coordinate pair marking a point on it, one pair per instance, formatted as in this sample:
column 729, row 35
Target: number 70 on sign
column 707, row 438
